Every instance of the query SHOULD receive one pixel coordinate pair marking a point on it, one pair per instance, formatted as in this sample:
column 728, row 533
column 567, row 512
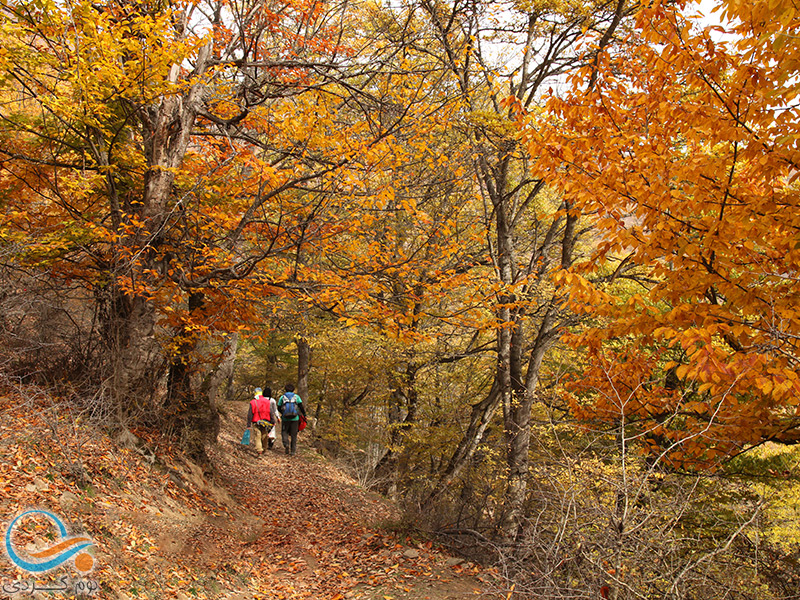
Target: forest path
column 321, row 535
column 264, row 527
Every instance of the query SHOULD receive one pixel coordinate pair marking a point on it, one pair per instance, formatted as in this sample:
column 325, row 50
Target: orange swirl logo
column 65, row 548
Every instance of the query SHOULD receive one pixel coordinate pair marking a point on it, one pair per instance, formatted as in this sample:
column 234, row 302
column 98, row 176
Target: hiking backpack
column 289, row 406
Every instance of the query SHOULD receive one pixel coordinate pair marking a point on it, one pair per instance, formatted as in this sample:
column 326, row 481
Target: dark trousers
column 289, row 435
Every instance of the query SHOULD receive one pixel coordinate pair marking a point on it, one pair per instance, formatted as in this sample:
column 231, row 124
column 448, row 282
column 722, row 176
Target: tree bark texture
column 137, row 360
column 190, row 406
column 140, row 361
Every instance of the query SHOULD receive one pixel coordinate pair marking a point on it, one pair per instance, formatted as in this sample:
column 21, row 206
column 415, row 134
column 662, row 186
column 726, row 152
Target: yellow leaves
column 701, row 408
column 663, row 157
column 682, row 371
column 582, row 294
column 492, row 122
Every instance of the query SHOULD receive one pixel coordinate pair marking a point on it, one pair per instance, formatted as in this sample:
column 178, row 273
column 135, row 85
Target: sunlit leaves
column 685, row 152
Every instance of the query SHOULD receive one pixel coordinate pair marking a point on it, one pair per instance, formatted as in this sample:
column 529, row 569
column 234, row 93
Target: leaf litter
column 248, row 528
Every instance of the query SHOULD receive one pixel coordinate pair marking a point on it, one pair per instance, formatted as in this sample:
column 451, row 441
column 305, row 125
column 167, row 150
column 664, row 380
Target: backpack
column 289, row 406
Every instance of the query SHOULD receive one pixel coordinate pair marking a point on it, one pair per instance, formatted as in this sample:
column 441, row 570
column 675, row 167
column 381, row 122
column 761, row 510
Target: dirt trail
column 264, row 527
column 321, row 533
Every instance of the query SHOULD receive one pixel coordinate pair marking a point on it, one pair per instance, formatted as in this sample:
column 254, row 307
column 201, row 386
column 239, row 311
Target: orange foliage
column 686, row 152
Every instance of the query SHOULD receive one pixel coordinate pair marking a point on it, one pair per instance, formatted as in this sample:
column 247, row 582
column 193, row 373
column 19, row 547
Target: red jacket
column 259, row 408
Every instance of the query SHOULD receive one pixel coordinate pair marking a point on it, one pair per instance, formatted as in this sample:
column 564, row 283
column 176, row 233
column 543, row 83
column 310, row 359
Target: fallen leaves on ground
column 269, row 526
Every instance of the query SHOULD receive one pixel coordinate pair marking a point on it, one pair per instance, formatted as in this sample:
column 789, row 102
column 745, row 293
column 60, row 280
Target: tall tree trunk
column 189, row 403
column 524, row 381
column 166, row 126
column 510, row 343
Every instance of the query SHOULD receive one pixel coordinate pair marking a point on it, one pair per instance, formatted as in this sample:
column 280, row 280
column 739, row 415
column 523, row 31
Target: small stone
column 454, row 562
column 68, row 500
column 411, row 553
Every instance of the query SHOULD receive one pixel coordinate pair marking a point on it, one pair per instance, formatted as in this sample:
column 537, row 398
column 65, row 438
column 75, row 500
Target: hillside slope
column 265, row 527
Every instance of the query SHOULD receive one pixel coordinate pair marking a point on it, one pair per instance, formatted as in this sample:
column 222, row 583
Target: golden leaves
column 689, row 169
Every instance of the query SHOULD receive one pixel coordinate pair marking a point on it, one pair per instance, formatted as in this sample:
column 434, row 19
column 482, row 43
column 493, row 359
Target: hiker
column 290, row 406
column 259, row 417
column 274, row 415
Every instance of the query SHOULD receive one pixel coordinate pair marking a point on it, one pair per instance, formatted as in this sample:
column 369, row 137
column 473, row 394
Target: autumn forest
column 534, row 265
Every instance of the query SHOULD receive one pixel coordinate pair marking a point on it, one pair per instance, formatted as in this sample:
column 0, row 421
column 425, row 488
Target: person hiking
column 290, row 406
column 276, row 416
column 259, row 417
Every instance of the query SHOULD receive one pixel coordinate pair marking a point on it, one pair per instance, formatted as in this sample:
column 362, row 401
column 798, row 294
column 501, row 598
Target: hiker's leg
column 257, row 431
column 293, row 427
column 285, row 435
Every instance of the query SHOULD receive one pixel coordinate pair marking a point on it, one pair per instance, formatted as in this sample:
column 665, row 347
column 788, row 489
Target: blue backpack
column 289, row 408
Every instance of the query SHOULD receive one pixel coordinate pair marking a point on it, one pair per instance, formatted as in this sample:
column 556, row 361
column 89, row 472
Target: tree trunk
column 136, row 357
column 515, row 401
column 517, row 419
column 524, row 389
column 482, row 414
column 166, row 126
column 190, row 405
